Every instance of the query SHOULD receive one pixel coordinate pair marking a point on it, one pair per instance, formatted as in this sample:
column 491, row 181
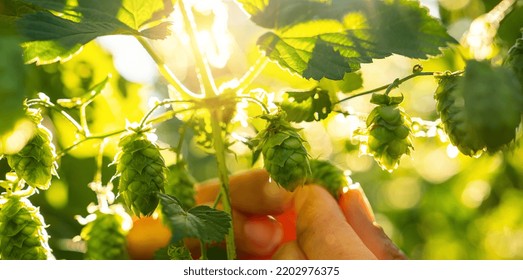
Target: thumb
column 358, row 213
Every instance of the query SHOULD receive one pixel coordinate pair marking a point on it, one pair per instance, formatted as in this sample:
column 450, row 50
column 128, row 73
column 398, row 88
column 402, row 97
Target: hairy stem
column 83, row 119
column 160, row 104
column 255, row 101
column 388, row 87
column 209, row 89
column 252, row 74
column 202, row 66
column 167, row 73
column 223, row 173
column 92, row 137
column 52, row 106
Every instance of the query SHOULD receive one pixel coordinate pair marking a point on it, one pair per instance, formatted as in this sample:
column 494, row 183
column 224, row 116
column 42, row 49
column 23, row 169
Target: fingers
column 331, row 237
column 358, row 213
column 257, row 236
column 251, row 192
column 289, row 251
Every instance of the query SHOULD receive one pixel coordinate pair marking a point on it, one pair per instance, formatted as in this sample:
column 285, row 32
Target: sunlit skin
column 147, row 235
column 324, row 228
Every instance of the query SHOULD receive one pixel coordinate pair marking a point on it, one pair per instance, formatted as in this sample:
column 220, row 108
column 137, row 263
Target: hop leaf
column 389, row 133
column 284, row 156
column 312, row 105
column 180, row 184
column 22, row 231
column 202, row 222
column 142, row 172
column 35, row 163
column 327, row 175
column 105, row 237
column 481, row 110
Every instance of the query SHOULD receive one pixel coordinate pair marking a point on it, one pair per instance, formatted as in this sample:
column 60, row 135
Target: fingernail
column 358, row 196
column 265, row 232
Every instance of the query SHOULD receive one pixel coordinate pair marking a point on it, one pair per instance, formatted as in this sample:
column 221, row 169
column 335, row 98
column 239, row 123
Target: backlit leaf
column 202, row 222
column 313, row 105
column 59, row 31
column 318, row 39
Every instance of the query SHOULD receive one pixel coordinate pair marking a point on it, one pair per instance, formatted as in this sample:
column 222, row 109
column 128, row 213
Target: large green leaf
column 58, row 31
column 319, row 39
column 308, row 106
column 202, row 222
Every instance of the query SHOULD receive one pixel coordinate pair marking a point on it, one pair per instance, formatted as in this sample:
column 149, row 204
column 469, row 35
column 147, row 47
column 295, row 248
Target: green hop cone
column 22, row 231
column 481, row 110
column 388, row 130
column 327, row 175
column 142, row 172
column 105, row 237
column 180, row 184
column 284, row 155
column 514, row 59
column 35, row 163
column 451, row 109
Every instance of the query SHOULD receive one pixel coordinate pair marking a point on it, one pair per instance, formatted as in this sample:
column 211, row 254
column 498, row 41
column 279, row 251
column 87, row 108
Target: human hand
column 325, row 228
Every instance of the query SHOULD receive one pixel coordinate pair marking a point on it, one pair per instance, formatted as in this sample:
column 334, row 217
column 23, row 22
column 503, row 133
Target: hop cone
column 389, row 133
column 22, row 231
column 142, row 172
column 105, row 237
column 451, row 108
column 180, row 184
column 35, row 163
column 481, row 110
column 325, row 174
column 515, row 59
column 284, row 156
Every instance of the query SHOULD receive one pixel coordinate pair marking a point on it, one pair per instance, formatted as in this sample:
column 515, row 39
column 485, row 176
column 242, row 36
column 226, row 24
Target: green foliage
column 58, row 32
column 104, row 237
column 35, row 163
column 284, row 155
column 312, row 105
column 327, row 175
column 22, row 231
column 319, row 39
column 202, row 222
column 141, row 168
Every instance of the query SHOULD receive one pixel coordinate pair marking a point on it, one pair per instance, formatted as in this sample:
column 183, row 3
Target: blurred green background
column 437, row 205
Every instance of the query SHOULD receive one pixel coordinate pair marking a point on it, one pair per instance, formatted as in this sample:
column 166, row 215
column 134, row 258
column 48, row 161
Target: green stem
column 183, row 131
column 256, row 101
column 252, row 74
column 209, row 89
column 219, row 147
column 388, row 87
column 160, row 104
column 92, row 137
column 167, row 73
column 83, row 119
column 54, row 107
column 202, row 67
column 203, row 251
